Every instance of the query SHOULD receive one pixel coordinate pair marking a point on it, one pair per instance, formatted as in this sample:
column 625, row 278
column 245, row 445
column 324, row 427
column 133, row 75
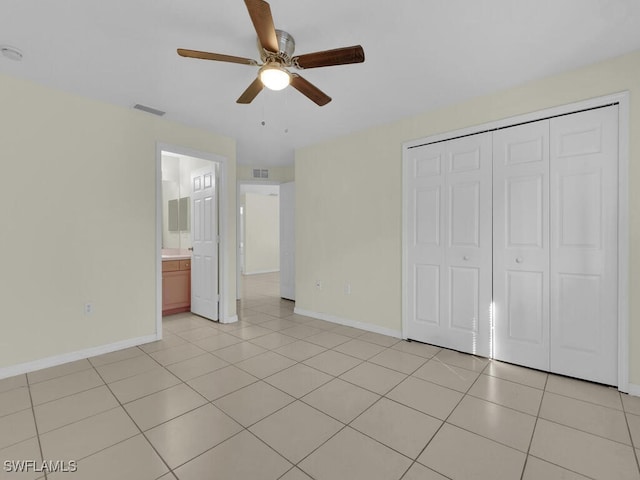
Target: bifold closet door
column 521, row 244
column 555, row 255
column 584, row 245
column 449, row 247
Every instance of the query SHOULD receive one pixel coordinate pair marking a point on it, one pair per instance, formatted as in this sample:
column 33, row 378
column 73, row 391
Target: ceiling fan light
column 274, row 77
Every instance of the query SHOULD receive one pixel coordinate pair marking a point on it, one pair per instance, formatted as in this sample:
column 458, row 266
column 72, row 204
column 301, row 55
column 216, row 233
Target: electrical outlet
column 88, row 308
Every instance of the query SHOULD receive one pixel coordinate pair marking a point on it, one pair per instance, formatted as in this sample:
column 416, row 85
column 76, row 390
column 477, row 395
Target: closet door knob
column 465, row 258
column 519, row 260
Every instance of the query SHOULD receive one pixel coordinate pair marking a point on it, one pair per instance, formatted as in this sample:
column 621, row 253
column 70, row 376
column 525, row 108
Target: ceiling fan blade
column 251, row 92
column 309, row 90
column 260, row 13
column 215, row 56
column 327, row 58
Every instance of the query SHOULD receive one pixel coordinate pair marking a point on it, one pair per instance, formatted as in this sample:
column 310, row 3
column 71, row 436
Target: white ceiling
column 420, row 55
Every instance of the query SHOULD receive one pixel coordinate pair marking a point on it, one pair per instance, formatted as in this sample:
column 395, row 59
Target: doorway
column 258, row 240
column 191, row 219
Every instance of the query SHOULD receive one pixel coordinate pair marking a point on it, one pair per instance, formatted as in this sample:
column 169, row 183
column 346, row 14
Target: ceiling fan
column 276, row 50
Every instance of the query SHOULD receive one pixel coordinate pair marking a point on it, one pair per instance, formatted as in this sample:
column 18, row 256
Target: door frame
column 620, row 98
column 239, row 183
column 223, row 277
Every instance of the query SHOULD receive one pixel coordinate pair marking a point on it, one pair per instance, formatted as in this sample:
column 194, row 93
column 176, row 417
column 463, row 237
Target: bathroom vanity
column 176, row 284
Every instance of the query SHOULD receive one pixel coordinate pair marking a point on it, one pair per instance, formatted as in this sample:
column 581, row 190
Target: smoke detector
column 12, row 53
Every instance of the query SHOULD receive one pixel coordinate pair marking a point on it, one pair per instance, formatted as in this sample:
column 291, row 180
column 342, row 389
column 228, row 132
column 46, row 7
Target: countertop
column 175, row 254
column 175, row 257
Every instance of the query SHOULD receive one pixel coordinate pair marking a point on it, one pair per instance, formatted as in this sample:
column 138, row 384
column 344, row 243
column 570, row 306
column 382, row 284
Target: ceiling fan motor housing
column 286, row 47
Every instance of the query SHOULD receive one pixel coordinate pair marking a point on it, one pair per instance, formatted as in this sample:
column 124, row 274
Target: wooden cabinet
column 176, row 286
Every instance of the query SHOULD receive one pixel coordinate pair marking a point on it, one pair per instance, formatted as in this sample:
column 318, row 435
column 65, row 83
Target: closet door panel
column 521, row 244
column 464, row 293
column 464, row 214
column 524, row 315
column 525, row 211
column 425, row 183
column 449, row 252
column 584, row 219
column 427, row 216
column 578, row 309
column 427, row 294
column 579, row 198
column 466, row 288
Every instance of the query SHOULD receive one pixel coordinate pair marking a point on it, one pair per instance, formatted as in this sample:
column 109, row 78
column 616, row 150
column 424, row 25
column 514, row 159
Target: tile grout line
column 467, row 394
column 138, row 426
column 361, row 362
column 211, row 402
column 94, row 415
column 586, row 401
column 243, row 428
column 35, row 422
column 121, row 405
column 538, row 417
column 435, row 434
column 633, row 446
column 390, row 347
column 300, row 399
column 535, row 425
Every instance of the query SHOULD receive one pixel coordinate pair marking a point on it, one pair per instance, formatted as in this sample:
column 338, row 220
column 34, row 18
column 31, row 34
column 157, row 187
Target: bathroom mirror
column 173, row 215
column 179, row 214
column 176, row 200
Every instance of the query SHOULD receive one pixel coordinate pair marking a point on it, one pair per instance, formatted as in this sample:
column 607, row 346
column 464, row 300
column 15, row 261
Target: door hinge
column 217, row 238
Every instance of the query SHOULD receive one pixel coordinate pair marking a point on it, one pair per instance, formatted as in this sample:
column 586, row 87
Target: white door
column 521, row 244
column 449, row 243
column 584, row 253
column 204, row 241
column 287, row 241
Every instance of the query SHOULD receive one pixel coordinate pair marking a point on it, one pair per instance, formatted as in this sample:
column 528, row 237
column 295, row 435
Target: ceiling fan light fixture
column 274, row 76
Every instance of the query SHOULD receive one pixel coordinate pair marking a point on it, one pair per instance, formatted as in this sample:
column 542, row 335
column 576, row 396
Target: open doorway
column 266, row 241
column 190, row 234
column 258, row 241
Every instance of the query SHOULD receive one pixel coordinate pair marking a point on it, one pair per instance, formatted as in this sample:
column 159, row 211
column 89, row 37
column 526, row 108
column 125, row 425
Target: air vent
column 260, row 173
column 150, row 110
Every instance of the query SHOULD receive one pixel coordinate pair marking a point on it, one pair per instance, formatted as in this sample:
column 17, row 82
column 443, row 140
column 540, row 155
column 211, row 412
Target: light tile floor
column 282, row 396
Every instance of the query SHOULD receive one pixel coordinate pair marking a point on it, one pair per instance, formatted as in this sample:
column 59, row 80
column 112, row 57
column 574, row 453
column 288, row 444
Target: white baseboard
column 55, row 360
column 349, row 323
column 634, row 390
column 259, row 272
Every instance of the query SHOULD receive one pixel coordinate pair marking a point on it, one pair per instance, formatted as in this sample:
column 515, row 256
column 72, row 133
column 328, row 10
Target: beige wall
column 262, row 233
column 78, row 215
column 349, row 197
